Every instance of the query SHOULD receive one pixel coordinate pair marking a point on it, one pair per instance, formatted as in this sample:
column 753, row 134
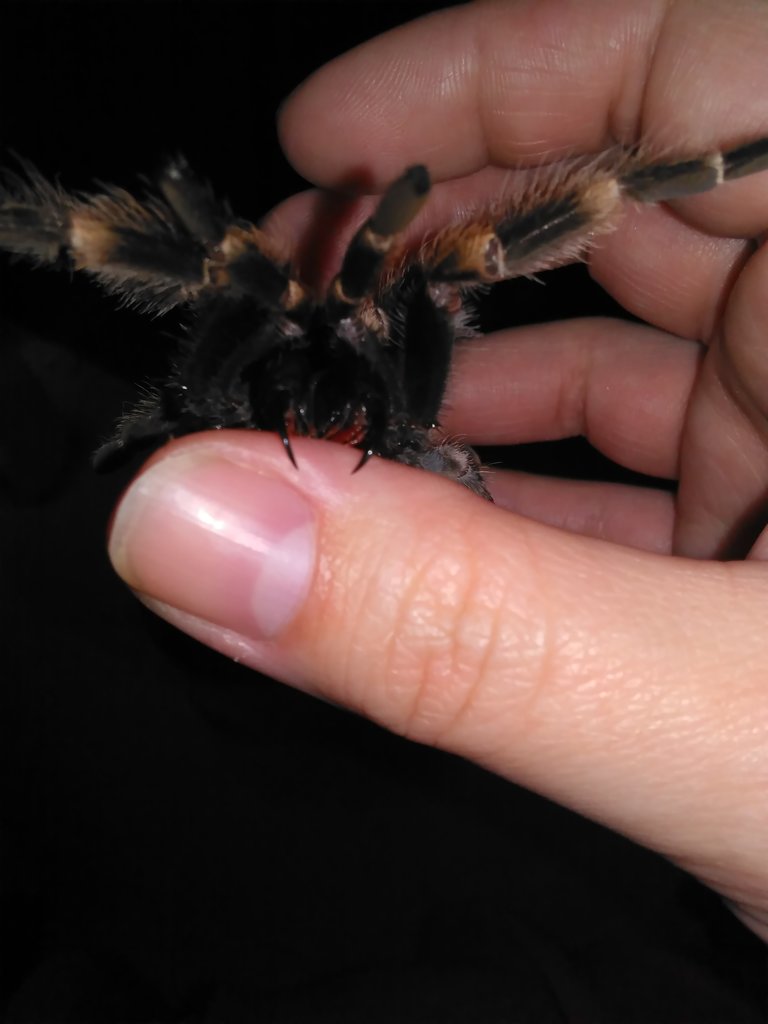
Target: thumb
column 627, row 685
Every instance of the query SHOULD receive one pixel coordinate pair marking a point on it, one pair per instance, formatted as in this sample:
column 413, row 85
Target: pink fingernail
column 218, row 540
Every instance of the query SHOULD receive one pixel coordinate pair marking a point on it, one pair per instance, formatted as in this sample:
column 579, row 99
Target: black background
column 182, row 839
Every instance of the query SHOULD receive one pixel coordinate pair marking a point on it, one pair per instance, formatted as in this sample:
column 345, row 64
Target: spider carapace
column 365, row 364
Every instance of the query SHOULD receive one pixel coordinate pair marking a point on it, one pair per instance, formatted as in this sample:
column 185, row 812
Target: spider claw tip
column 368, row 452
column 288, row 449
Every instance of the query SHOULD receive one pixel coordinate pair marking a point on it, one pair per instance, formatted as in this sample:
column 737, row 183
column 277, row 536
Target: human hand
column 560, row 638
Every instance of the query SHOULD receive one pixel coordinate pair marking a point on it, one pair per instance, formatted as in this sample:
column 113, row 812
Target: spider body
column 365, row 364
column 307, row 374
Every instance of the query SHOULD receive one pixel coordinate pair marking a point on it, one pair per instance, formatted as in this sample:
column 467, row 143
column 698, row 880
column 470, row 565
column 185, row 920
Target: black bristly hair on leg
column 365, row 364
column 372, row 242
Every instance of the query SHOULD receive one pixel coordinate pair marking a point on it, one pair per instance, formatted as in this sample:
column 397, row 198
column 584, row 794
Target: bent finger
column 625, row 387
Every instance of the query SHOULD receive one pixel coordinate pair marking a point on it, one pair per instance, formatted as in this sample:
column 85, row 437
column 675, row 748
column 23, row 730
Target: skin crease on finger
column 627, row 685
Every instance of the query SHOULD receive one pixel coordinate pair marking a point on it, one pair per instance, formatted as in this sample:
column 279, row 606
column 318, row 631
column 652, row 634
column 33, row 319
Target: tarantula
column 367, row 363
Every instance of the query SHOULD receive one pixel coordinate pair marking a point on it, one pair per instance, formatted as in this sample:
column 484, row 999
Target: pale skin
column 593, row 643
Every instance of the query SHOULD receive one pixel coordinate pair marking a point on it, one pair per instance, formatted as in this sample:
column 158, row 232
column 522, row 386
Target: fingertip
column 226, row 538
column 381, row 106
column 203, row 532
column 509, row 84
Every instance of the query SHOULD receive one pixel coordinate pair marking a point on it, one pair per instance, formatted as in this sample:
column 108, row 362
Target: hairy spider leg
column 204, row 215
column 137, row 251
column 372, row 242
column 558, row 218
column 34, row 217
column 152, row 253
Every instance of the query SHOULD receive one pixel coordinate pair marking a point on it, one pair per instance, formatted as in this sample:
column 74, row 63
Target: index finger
column 510, row 82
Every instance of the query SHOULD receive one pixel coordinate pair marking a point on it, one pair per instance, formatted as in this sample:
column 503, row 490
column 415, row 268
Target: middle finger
column 623, row 386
